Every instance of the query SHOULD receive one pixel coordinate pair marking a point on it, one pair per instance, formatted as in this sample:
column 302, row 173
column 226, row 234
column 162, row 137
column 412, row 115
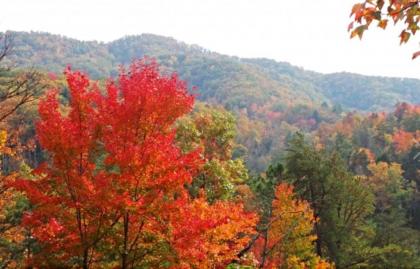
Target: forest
column 146, row 152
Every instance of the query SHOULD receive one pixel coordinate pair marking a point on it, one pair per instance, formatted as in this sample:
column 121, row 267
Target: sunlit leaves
column 404, row 36
column 406, row 12
column 212, row 130
column 383, row 23
column 289, row 240
column 114, row 189
column 209, row 236
column 403, row 141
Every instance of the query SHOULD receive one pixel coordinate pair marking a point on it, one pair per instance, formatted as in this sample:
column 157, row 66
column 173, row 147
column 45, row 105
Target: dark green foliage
column 339, row 200
column 278, row 96
column 381, row 149
column 231, row 81
column 365, row 93
column 264, row 187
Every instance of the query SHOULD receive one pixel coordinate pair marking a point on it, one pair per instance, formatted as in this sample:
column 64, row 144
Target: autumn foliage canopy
column 113, row 192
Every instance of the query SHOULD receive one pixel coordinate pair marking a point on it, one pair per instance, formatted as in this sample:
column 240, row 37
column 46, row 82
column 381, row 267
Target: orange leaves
column 208, row 236
column 322, row 264
column 405, row 11
column 109, row 154
column 406, row 110
column 383, row 24
column 115, row 185
column 4, row 148
column 289, row 239
column 380, row 4
column 357, row 10
column 3, row 139
column 359, row 31
column 403, row 141
column 404, row 37
column 291, row 218
column 362, row 12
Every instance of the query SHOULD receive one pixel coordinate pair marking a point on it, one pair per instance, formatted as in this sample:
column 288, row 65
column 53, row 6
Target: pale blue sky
column 307, row 33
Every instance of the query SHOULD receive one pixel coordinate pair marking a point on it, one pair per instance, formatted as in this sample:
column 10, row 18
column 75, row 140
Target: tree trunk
column 124, row 255
column 86, row 258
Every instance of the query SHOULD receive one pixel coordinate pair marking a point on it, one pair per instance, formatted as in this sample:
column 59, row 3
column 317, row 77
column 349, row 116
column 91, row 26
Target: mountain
column 236, row 83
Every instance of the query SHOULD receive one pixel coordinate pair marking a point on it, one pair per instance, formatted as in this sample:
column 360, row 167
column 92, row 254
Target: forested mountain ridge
column 234, row 82
column 266, row 170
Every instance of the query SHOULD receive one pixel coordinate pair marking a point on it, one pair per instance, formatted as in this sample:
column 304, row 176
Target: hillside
column 233, row 82
column 143, row 151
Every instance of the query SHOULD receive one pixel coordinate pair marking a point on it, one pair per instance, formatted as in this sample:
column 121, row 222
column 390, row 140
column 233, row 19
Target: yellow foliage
column 290, row 237
column 291, row 224
column 3, row 139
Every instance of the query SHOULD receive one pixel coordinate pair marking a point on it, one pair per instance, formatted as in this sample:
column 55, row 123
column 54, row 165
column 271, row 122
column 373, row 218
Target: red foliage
column 116, row 174
column 403, row 141
column 210, row 236
column 405, row 109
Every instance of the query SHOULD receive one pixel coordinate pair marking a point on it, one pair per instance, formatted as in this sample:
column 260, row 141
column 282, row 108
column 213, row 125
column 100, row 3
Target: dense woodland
column 226, row 163
column 269, row 99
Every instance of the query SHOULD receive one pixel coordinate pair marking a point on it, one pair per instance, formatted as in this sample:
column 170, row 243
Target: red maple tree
column 114, row 190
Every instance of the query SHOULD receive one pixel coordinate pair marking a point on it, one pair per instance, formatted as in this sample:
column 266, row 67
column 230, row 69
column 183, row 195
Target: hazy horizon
column 311, row 35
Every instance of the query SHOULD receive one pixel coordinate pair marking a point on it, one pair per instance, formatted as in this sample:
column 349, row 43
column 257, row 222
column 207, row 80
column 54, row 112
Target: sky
column 307, row 33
